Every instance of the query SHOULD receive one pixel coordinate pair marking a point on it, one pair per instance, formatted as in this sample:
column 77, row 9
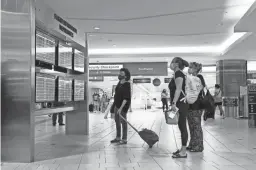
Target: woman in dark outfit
column 196, row 143
column 122, row 102
column 177, row 65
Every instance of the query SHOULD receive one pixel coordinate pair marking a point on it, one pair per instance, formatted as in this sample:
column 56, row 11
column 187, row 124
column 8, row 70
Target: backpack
column 193, row 87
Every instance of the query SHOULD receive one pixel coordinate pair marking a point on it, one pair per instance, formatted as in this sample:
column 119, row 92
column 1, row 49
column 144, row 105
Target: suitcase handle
column 129, row 123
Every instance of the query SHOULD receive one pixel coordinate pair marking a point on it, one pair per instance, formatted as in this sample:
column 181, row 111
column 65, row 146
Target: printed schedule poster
column 252, row 98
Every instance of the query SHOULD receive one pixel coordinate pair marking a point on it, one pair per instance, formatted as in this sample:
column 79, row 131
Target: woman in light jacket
column 196, row 143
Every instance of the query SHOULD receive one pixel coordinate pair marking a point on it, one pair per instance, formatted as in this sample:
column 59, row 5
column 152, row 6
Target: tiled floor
column 229, row 145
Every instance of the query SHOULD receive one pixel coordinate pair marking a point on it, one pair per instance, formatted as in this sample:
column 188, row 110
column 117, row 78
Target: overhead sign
column 65, row 27
column 96, row 78
column 142, row 80
column 106, row 67
column 147, row 69
column 156, row 82
column 103, row 72
column 167, row 80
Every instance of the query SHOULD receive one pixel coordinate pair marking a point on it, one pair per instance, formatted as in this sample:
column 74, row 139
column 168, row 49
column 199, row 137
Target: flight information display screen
column 45, row 48
column 65, row 56
column 79, row 61
column 45, row 87
column 78, row 90
column 64, row 89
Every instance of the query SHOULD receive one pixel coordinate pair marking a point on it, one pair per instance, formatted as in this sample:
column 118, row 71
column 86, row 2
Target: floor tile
column 228, row 145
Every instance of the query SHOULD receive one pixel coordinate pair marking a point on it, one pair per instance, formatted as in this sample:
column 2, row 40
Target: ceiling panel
column 120, row 9
column 246, row 49
column 102, row 41
column 152, row 23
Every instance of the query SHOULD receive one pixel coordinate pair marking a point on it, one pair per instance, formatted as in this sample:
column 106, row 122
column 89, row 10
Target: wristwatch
column 173, row 103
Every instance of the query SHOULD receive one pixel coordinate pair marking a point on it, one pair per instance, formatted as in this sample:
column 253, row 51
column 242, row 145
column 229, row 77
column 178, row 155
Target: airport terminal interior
column 128, row 85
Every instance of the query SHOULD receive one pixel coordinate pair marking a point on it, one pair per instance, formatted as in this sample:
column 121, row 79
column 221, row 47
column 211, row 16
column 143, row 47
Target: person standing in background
column 60, row 119
column 104, row 102
column 164, row 99
column 218, row 100
column 96, row 103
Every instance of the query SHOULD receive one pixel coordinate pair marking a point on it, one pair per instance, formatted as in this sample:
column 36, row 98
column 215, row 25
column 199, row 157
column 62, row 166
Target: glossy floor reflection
column 229, row 144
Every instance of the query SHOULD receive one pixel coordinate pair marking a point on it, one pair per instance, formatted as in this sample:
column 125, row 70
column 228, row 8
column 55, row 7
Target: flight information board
column 45, row 48
column 64, row 89
column 79, row 61
column 45, row 87
column 78, row 90
column 65, row 56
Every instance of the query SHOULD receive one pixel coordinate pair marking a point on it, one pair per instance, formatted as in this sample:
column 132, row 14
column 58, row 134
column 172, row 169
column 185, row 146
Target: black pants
column 182, row 123
column 54, row 118
column 119, row 121
column 165, row 104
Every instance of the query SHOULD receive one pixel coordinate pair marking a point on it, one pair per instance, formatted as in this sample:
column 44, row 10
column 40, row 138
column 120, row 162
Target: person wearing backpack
column 177, row 94
column 196, row 143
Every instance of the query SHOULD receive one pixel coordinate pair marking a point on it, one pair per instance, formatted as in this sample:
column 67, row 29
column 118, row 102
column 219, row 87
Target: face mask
column 121, row 77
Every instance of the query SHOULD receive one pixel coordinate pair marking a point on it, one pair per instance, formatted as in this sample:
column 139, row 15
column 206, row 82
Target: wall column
column 18, row 81
column 231, row 74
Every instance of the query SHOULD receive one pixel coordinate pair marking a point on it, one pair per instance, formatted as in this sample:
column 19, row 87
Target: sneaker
column 123, row 142
column 115, row 141
column 62, row 124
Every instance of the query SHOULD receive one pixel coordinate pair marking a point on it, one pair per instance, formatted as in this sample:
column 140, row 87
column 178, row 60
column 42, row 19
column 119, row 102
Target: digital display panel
column 45, row 87
column 64, row 89
column 78, row 90
column 79, row 61
column 65, row 56
column 45, row 48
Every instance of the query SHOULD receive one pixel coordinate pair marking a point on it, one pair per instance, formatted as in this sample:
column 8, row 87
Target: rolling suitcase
column 91, row 108
column 149, row 136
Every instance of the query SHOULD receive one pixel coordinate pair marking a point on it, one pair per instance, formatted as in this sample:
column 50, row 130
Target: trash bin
column 231, row 106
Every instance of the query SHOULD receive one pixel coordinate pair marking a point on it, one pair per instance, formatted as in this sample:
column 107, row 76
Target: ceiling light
column 114, row 45
column 96, row 28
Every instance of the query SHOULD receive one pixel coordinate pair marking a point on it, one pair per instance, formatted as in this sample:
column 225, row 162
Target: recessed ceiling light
column 96, row 28
column 114, row 45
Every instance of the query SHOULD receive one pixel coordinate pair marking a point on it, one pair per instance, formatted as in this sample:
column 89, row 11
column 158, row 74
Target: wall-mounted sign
column 230, row 101
column 142, row 80
column 147, row 69
column 156, row 82
column 96, row 78
column 106, row 67
column 252, row 98
column 65, row 27
column 103, row 72
column 167, row 80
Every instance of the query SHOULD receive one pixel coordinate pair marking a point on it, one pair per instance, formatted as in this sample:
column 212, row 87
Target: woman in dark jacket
column 196, row 143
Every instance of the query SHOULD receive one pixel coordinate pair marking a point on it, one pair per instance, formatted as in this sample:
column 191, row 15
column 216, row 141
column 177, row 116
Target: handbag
column 206, row 100
column 171, row 120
